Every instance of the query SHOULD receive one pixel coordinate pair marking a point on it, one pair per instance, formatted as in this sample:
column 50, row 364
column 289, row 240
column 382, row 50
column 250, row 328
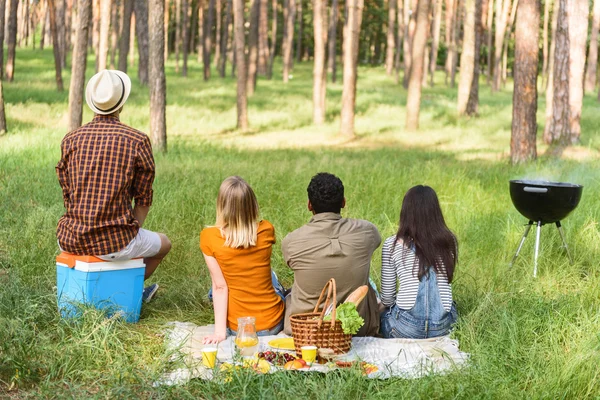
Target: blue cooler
column 114, row 286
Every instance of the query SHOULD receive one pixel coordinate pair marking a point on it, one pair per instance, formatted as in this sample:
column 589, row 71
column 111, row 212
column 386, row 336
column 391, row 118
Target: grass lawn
column 528, row 338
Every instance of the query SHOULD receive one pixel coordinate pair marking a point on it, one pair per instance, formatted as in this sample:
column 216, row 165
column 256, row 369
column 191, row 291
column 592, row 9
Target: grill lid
column 544, row 201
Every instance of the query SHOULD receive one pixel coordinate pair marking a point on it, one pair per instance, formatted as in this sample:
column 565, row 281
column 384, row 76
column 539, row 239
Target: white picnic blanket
column 406, row 358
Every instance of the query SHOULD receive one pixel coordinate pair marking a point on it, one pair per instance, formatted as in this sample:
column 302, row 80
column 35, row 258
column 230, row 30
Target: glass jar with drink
column 246, row 340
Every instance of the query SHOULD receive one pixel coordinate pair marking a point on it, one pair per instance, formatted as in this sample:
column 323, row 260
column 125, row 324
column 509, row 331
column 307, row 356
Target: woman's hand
column 214, row 338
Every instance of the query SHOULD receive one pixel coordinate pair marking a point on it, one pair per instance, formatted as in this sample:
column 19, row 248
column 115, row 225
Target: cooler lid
column 95, row 264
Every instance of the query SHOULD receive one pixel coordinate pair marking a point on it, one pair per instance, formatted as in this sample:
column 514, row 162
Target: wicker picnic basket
column 309, row 329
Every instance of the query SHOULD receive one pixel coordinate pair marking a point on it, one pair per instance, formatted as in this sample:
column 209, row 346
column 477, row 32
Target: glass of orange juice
column 246, row 340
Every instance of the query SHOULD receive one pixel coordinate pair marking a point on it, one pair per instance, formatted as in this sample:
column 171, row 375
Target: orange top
column 248, row 276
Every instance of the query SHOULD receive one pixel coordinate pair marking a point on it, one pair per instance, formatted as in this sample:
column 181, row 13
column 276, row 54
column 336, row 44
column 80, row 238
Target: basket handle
column 331, row 289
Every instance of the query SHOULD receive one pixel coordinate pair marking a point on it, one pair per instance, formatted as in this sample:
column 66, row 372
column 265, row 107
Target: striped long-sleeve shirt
column 399, row 277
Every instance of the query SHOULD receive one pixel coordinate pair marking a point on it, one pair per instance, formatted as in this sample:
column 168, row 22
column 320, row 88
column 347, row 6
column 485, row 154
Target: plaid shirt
column 104, row 165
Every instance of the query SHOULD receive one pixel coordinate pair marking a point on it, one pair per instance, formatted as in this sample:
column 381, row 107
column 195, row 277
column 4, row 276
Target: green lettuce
column 347, row 314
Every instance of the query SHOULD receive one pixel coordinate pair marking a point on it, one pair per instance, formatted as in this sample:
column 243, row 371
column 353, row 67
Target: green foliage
column 528, row 338
column 347, row 314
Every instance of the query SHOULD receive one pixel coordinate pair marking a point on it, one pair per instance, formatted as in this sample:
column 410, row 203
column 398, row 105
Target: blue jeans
column 427, row 318
column 279, row 291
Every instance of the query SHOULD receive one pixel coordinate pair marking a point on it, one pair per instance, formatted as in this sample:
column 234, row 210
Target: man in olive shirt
column 330, row 246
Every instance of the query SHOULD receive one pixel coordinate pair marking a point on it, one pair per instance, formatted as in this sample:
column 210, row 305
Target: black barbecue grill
column 543, row 202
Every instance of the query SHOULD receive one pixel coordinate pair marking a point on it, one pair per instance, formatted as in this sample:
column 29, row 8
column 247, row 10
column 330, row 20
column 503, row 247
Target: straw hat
column 107, row 91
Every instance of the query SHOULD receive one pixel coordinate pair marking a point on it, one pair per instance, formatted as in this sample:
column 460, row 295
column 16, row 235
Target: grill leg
column 521, row 243
column 562, row 236
column 537, row 247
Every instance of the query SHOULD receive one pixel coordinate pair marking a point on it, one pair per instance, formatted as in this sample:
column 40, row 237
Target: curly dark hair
column 326, row 193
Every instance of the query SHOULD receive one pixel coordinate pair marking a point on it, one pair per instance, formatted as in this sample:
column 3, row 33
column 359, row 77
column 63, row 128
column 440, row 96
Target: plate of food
column 284, row 343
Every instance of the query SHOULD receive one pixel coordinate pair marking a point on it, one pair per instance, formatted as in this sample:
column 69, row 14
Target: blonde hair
column 237, row 213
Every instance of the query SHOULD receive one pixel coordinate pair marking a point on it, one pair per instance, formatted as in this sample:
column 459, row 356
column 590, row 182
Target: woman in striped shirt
column 417, row 266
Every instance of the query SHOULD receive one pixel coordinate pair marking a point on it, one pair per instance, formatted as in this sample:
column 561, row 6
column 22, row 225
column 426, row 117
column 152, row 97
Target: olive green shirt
column 330, row 246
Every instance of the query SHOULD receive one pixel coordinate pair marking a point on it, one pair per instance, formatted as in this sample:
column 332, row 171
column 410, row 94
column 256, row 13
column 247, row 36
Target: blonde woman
column 237, row 251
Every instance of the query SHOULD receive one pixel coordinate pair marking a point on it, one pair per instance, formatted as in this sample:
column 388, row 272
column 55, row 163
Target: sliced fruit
column 289, row 365
column 295, row 364
column 301, row 361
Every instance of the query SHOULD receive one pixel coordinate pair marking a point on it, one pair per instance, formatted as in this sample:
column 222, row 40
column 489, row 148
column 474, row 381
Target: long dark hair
column 422, row 228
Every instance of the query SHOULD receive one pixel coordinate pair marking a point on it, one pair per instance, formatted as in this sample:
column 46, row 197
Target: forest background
column 425, row 92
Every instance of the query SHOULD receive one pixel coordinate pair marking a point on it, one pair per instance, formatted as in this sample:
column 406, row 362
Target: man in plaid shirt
column 105, row 165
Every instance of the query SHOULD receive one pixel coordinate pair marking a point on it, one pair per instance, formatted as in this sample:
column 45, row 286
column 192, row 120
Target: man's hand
column 214, row 339
column 140, row 213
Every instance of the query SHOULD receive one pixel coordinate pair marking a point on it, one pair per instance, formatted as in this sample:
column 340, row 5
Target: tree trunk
column 141, row 28
column 114, row 32
column 33, row 24
column 125, row 34
column 48, row 31
column 331, row 41
column 391, row 37
column 513, row 14
column 253, row 47
column 55, row 48
column 468, row 86
column 399, row 38
column 558, row 134
column 60, row 6
column 354, row 9
column 410, row 23
column 263, row 37
column 225, row 39
column 524, row 125
column 426, row 60
column 300, row 22
column 104, row 27
column 550, row 78
column 69, row 25
column 218, row 19
column 273, row 39
column 166, row 28
column 489, row 42
column 11, row 40
column 456, row 31
column 21, row 18
column 178, row 32
column 96, row 12
column 578, row 15
column 200, row 49
column 193, row 22
column 592, row 59
column 378, row 24
column 413, row 101
column 44, row 24
column 233, row 63
column 79, row 62
column 207, row 47
column 289, row 13
column 455, row 39
column 158, row 86
column 242, row 100
column 2, row 27
column 502, row 10
column 132, row 31
column 547, row 5
column 437, row 25
column 3, row 128
column 449, row 35
column 319, row 71
column 25, row 25
column 186, row 37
